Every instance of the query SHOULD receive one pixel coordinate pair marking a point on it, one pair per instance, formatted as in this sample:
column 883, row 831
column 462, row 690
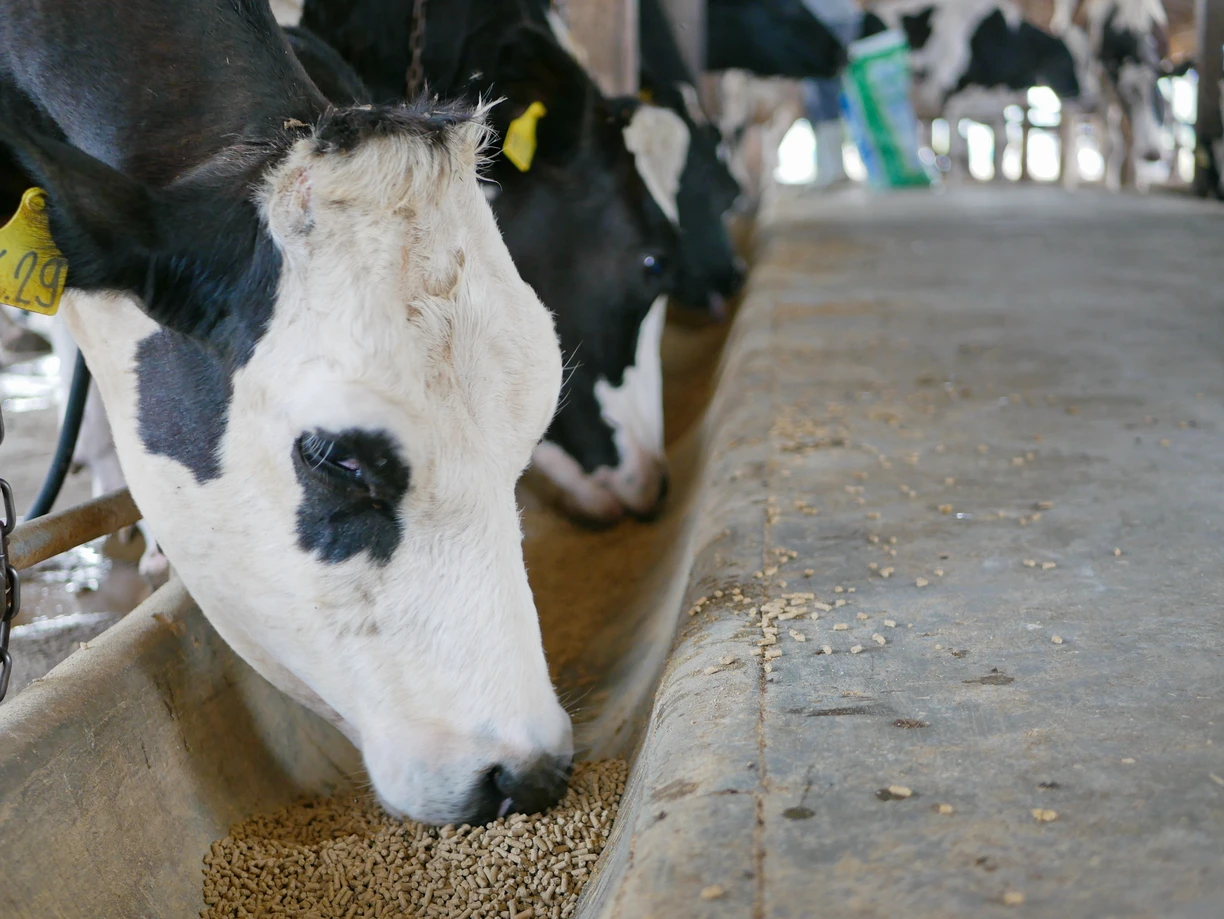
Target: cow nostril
column 1151, row 156
column 533, row 788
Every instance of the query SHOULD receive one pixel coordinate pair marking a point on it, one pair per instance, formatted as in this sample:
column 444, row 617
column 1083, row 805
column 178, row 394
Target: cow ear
column 533, row 67
column 196, row 261
column 102, row 221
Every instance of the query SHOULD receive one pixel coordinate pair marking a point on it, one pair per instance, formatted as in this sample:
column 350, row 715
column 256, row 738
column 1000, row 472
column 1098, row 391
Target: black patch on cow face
column 184, row 394
column 352, row 486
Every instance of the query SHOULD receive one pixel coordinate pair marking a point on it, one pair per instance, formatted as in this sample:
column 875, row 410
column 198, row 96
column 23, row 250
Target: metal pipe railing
column 38, row 540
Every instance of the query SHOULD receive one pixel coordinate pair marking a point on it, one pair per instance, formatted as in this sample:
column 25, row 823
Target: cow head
column 325, row 377
column 708, row 270
column 587, row 233
column 1132, row 56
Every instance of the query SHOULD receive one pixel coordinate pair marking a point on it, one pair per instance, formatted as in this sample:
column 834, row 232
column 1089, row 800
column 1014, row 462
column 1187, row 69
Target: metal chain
column 416, row 43
column 12, row 581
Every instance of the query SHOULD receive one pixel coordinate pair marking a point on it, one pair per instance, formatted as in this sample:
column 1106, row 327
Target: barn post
column 607, row 30
column 688, row 22
column 1209, row 22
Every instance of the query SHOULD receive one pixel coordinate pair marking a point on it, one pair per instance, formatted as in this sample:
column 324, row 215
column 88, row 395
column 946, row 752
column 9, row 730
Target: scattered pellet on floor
column 1030, row 563
column 1046, row 566
column 857, row 649
column 713, row 892
column 921, row 582
column 1044, row 815
column 945, row 809
column 345, row 857
column 1013, row 898
column 1057, row 639
column 900, row 791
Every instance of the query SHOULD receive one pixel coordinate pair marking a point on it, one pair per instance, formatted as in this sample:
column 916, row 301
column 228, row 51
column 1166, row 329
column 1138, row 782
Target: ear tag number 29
column 32, row 270
column 520, row 143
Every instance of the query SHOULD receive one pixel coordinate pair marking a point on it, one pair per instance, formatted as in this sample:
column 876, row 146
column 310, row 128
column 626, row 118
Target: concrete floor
column 1007, row 407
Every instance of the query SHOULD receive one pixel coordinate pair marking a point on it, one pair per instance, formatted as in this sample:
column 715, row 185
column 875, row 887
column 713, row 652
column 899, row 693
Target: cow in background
column 758, row 50
column 1128, row 47
column 709, row 271
column 973, row 58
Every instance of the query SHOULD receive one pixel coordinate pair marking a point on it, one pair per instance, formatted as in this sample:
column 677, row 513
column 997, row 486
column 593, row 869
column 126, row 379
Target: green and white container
column 879, row 111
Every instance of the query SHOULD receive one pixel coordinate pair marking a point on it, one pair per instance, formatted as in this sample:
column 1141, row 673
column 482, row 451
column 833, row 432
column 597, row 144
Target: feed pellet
column 345, row 858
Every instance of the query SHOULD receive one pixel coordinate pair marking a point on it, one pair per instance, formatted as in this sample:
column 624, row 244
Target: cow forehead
column 409, row 307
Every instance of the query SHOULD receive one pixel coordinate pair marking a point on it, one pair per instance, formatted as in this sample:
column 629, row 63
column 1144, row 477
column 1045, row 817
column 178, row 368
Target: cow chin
column 433, row 776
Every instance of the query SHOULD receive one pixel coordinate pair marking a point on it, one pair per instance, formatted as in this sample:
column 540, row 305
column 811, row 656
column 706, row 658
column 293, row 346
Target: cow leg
column 1068, row 151
column 999, row 128
column 958, row 149
column 1116, row 156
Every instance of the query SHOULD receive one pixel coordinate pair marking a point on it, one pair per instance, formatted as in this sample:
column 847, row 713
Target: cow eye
column 330, row 458
column 654, row 265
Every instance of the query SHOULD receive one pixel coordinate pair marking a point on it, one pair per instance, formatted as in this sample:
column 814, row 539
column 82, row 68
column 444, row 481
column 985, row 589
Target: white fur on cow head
column 358, row 542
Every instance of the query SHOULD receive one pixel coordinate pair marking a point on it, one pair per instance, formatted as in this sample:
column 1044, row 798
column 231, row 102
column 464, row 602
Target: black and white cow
column 973, row 58
column 771, row 38
column 759, row 49
column 708, row 271
column 323, row 373
column 1128, row 46
column 589, row 224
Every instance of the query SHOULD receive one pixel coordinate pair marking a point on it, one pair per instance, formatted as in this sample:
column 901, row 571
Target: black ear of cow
column 533, row 67
column 101, row 220
column 195, row 260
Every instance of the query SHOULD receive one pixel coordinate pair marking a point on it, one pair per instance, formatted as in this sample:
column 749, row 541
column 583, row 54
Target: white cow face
column 1145, row 107
column 324, row 417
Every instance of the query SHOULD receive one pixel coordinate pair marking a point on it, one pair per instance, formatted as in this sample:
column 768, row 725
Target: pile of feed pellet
column 345, row 857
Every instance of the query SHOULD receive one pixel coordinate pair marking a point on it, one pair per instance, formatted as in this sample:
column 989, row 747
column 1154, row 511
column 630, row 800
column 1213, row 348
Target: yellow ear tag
column 520, row 143
column 32, row 270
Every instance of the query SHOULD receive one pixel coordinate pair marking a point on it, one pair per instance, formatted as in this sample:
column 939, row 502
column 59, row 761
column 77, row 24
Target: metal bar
column 608, row 32
column 48, row 536
column 688, row 21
